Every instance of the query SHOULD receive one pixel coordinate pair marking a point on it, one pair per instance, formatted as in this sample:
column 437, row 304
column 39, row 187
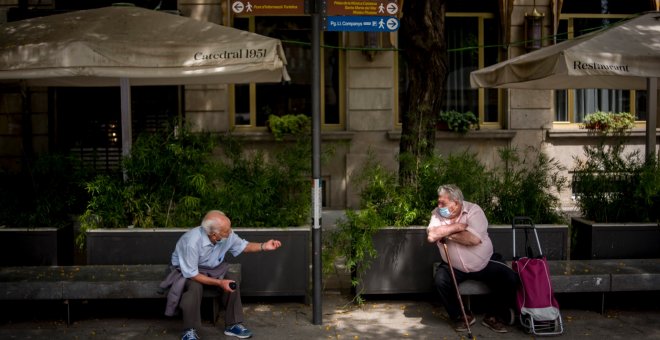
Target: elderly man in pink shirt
column 464, row 228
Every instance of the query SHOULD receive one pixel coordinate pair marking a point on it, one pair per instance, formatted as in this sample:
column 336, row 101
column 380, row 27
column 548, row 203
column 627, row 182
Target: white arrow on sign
column 392, row 8
column 392, row 24
column 237, row 7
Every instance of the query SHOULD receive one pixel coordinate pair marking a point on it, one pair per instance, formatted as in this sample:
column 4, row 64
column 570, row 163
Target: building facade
column 362, row 92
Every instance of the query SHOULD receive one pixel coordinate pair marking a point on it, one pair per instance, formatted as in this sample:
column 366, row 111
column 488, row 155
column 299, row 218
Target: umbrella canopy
column 623, row 56
column 100, row 46
column 620, row 57
column 124, row 46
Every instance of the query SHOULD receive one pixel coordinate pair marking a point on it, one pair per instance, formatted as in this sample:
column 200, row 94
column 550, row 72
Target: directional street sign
column 267, row 7
column 375, row 8
column 360, row 24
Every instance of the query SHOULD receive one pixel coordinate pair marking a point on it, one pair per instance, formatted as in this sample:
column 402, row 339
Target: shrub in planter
column 291, row 124
column 174, row 177
column 167, row 183
column 618, row 195
column 524, row 183
column 45, row 193
column 608, row 122
column 38, row 203
column 257, row 191
column 171, row 178
column 614, row 186
column 460, row 122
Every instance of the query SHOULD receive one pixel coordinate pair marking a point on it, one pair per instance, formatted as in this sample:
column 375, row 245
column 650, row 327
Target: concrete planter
column 554, row 238
column 283, row 272
column 36, row 247
column 403, row 264
column 405, row 259
column 131, row 246
column 615, row 240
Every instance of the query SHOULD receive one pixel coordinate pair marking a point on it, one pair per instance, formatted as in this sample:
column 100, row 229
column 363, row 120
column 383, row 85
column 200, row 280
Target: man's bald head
column 216, row 222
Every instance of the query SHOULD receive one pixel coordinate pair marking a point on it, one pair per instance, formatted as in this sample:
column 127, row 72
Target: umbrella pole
column 652, row 117
column 126, row 129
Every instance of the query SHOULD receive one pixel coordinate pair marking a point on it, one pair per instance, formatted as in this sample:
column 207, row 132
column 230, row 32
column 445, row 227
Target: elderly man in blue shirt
column 198, row 260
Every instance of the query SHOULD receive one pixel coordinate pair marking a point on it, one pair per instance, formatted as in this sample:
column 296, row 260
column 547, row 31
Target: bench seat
column 595, row 276
column 93, row 282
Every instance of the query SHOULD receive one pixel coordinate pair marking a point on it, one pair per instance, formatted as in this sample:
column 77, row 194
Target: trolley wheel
column 526, row 322
column 558, row 325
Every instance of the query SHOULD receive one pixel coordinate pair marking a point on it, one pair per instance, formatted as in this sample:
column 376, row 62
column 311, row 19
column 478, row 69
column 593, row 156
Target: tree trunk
column 424, row 53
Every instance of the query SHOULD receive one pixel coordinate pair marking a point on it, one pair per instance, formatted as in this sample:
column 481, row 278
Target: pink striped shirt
column 466, row 258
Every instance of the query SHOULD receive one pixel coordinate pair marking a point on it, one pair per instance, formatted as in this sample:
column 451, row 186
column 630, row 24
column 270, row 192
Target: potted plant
column 608, row 122
column 617, row 193
column 169, row 181
column 290, row 124
column 384, row 243
column 38, row 202
column 460, row 122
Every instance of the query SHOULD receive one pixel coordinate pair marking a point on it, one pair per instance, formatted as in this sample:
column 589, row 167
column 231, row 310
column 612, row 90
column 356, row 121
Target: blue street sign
column 360, row 24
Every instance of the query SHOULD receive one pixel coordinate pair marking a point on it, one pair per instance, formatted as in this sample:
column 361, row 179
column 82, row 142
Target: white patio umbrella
column 623, row 56
column 124, row 46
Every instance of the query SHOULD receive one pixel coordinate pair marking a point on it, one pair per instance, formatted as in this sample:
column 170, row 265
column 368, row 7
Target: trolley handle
column 525, row 223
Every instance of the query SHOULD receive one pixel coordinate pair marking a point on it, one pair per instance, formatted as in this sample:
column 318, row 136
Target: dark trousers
column 191, row 303
column 502, row 281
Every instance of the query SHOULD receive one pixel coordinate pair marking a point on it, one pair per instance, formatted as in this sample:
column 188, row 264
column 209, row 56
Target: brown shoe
column 459, row 324
column 494, row 324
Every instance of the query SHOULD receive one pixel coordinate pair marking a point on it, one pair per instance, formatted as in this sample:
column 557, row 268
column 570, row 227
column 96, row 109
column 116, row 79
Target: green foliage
column 459, row 121
column 257, row 192
column 616, row 186
column 173, row 178
column 524, row 183
column 168, row 183
column 647, row 193
column 353, row 241
column 523, row 186
column 288, row 124
column 46, row 193
column 608, row 122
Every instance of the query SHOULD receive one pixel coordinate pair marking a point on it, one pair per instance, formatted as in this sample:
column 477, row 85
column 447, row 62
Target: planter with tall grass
column 618, row 195
column 384, row 243
column 172, row 178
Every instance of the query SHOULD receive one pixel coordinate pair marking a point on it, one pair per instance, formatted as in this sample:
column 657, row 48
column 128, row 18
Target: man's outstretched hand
column 271, row 245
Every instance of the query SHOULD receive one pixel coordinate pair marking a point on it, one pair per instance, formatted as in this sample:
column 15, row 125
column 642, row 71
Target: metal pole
column 317, row 189
column 126, row 129
column 652, row 117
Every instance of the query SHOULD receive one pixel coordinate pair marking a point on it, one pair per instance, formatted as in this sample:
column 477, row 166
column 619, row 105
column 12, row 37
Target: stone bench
column 91, row 282
column 590, row 276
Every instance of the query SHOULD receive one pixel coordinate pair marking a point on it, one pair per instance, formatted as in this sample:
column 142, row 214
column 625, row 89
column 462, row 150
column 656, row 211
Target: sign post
column 317, row 189
column 338, row 15
column 361, row 16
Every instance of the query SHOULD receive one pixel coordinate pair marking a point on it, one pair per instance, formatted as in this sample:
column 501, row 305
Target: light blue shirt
column 194, row 250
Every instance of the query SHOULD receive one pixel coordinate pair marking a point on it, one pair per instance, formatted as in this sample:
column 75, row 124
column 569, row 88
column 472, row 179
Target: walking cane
column 458, row 293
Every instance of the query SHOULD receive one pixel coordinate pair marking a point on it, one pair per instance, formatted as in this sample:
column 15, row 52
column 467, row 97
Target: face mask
column 444, row 212
column 226, row 238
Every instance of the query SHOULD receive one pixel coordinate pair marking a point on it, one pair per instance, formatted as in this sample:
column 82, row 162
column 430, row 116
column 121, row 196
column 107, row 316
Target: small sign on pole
column 267, row 7
column 360, row 24
column 371, row 8
column 360, row 16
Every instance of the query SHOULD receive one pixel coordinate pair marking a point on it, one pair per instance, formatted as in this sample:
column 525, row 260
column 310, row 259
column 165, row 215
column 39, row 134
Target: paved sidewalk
column 377, row 319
